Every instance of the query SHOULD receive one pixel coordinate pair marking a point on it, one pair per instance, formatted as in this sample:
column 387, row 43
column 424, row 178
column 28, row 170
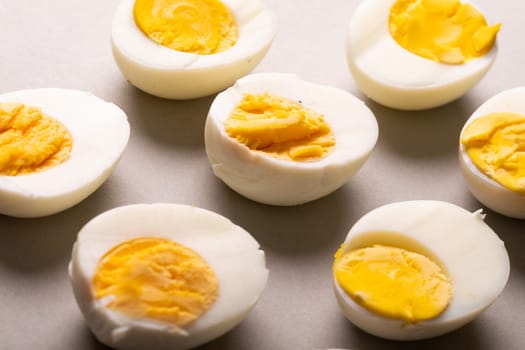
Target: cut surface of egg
column 164, row 276
column 418, row 269
column 491, row 153
column 280, row 140
column 57, row 146
column 419, row 54
column 182, row 49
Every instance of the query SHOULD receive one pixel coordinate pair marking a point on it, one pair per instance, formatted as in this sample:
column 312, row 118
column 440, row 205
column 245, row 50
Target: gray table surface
column 65, row 43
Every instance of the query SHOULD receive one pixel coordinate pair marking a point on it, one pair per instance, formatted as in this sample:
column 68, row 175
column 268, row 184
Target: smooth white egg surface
column 283, row 112
column 98, row 134
column 398, row 78
column 505, row 156
column 171, row 73
column 203, row 283
column 472, row 260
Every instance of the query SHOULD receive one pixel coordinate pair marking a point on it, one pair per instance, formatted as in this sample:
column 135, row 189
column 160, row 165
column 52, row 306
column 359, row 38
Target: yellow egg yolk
column 447, row 31
column 393, row 282
column 496, row 145
column 156, row 279
column 281, row 128
column 195, row 26
column 30, row 141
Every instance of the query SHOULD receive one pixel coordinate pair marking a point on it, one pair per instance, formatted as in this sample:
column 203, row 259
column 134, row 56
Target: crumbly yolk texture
column 393, row 282
column 496, row 145
column 446, row 31
column 195, row 26
column 30, row 141
column 281, row 128
column 157, row 279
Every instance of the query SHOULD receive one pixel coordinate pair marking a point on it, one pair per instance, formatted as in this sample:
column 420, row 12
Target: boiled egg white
column 174, row 74
column 398, row 78
column 470, row 255
column 508, row 161
column 163, row 284
column 99, row 133
column 262, row 177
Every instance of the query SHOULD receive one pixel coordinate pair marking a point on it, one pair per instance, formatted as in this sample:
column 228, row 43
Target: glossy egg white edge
column 233, row 254
column 471, row 253
column 100, row 132
column 167, row 73
column 268, row 180
column 486, row 190
column 394, row 77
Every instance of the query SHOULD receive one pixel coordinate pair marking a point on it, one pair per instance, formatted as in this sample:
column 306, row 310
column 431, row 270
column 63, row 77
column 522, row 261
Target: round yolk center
column 447, row 31
column 195, row 26
column 157, row 279
column 281, row 128
column 30, row 141
column 393, row 282
column 496, row 145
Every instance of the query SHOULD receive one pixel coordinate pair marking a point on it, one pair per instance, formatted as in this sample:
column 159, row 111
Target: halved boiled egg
column 492, row 153
column 164, row 276
column 57, row 146
column 182, row 49
column 279, row 140
column 418, row 54
column 418, row 269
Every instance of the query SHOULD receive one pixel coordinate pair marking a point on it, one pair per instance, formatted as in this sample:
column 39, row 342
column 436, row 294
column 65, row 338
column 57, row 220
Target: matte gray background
column 65, row 43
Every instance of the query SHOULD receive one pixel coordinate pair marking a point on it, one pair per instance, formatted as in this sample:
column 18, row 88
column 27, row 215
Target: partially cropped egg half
column 280, row 140
column 57, row 146
column 492, row 153
column 182, row 49
column 418, row 269
column 419, row 54
column 164, row 276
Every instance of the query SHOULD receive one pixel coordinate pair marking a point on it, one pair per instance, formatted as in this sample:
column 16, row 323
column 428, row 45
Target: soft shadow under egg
column 36, row 247
column 512, row 232
column 294, row 230
column 167, row 122
column 422, row 134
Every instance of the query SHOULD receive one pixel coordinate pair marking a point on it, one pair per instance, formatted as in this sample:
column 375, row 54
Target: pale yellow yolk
column 281, row 128
column 30, row 141
column 196, row 26
column 442, row 30
column 393, row 282
column 156, row 279
column 496, row 145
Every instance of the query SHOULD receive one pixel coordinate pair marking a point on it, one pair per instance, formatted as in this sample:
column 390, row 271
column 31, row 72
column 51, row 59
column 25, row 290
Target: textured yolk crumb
column 447, row 31
column 156, row 279
column 496, row 145
column 30, row 141
column 281, row 128
column 393, row 282
column 196, row 26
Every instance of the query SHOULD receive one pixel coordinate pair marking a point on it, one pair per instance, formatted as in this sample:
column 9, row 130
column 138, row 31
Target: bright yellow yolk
column 156, row 279
column 196, row 26
column 393, row 282
column 281, row 128
column 30, row 141
column 442, row 30
column 496, row 145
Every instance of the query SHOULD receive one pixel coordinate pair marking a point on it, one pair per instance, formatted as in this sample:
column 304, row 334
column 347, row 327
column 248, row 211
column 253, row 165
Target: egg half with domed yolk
column 419, row 54
column 418, row 269
column 182, row 49
column 492, row 153
column 57, row 146
column 280, row 140
column 164, row 276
